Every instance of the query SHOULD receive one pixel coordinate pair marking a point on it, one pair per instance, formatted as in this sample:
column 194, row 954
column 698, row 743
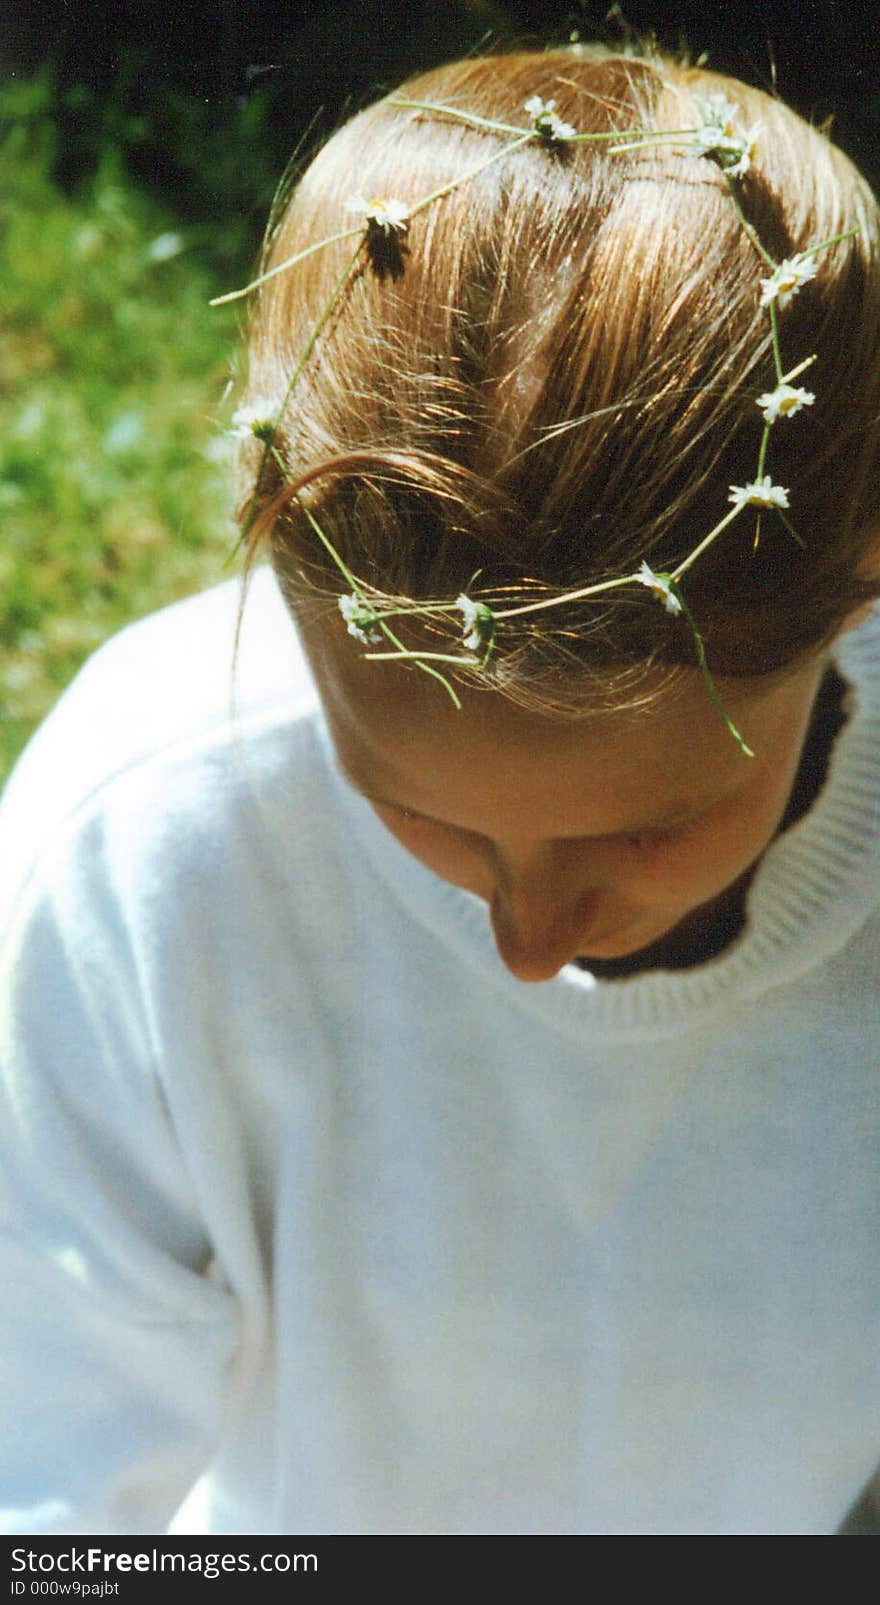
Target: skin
column 602, row 837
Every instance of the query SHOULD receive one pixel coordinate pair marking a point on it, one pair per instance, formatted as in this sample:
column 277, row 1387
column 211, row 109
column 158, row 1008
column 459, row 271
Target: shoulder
column 151, row 712
column 168, row 678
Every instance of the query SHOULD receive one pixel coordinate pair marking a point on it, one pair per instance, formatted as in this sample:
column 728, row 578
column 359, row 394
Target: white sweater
column 302, row 1187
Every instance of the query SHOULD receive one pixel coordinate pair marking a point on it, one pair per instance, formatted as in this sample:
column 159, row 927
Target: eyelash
column 656, row 838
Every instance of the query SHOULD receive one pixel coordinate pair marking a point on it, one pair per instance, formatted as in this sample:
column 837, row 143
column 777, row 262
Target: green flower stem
column 570, row 596
column 642, row 141
column 635, row 137
column 833, row 239
column 338, row 288
column 331, row 550
column 417, row 659
column 707, row 540
column 472, row 172
column 490, row 644
column 762, row 450
column 801, row 368
column 752, row 237
column 510, row 128
column 791, row 529
column 269, row 446
column 459, row 116
column 774, row 335
column 274, row 452
column 633, row 144
column 707, row 677
column 332, row 239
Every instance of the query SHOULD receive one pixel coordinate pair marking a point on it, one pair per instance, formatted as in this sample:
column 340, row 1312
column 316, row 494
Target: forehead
column 400, row 739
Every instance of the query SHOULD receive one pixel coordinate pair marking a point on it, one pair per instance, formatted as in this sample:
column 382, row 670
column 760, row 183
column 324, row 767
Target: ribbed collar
column 815, row 887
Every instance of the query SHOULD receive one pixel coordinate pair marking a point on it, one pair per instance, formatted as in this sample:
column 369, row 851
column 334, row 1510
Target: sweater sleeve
column 116, row 1338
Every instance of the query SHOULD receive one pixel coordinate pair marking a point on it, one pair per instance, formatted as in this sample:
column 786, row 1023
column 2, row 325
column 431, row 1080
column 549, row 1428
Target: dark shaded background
column 207, row 99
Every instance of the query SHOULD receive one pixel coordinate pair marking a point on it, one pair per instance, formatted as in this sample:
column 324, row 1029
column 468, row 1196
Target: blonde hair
column 554, row 376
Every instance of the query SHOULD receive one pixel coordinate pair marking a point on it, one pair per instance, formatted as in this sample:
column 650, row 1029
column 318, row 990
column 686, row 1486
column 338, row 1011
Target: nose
column 542, row 915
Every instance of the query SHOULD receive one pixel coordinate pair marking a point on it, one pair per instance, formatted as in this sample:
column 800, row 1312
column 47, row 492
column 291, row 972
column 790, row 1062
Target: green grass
column 115, row 490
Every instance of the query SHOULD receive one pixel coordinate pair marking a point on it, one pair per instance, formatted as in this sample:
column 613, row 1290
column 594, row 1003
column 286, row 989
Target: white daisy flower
column 545, row 122
column 760, row 493
column 743, row 154
column 787, row 278
column 390, row 216
column 258, row 417
column 722, row 139
column 784, row 401
column 717, row 111
column 478, row 621
column 661, row 585
column 361, row 619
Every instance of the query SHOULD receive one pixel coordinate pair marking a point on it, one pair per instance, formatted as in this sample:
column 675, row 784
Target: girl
column 562, row 434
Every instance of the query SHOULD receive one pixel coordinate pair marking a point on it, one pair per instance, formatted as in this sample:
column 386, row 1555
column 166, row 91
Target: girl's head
column 550, row 378
column 554, row 377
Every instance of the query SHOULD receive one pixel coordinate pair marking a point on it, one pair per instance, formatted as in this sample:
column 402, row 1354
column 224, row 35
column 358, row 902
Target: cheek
column 694, row 869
